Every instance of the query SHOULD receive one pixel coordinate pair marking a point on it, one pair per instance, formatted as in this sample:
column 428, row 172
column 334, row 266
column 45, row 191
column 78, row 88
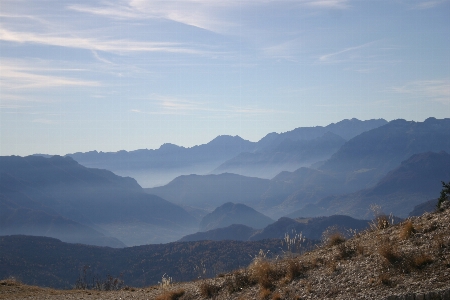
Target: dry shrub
column 439, row 242
column 332, row 266
column 421, row 260
column 385, row 278
column 333, row 292
column 432, row 227
column 407, row 230
column 336, row 239
column 173, row 295
column 209, row 290
column 289, row 293
column 10, row 282
column 294, row 269
column 360, row 249
column 264, row 293
column 381, row 222
column 389, row 252
column 316, row 261
column 331, row 236
column 238, row 281
column 309, row 287
column 265, row 273
column 276, row 296
column 344, row 251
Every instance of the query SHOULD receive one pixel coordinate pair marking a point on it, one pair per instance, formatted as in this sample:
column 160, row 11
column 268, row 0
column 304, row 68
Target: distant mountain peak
column 169, row 146
column 234, row 213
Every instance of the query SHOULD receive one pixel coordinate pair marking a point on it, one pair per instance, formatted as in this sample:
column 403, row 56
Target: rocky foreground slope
column 410, row 260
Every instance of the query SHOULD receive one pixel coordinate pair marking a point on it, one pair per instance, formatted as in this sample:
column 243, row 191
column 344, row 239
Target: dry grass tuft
column 173, row 295
column 332, row 266
column 265, row 273
column 389, row 252
column 209, row 290
column 10, row 282
column 439, row 242
column 294, row 269
column 385, row 278
column 382, row 222
column 344, row 252
column 407, row 230
column 264, row 293
column 276, row 296
column 238, row 281
column 334, row 239
column 421, row 260
column 360, row 249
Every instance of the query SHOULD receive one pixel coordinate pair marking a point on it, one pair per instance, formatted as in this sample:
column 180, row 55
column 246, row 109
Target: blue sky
column 134, row 74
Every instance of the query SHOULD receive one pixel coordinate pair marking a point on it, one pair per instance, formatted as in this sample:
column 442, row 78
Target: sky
column 134, row 74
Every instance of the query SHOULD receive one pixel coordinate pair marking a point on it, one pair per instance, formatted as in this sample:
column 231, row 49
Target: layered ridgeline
column 159, row 166
column 273, row 153
column 372, row 154
column 359, row 164
column 288, row 155
column 57, row 197
column 310, row 228
column 49, row 262
column 405, row 187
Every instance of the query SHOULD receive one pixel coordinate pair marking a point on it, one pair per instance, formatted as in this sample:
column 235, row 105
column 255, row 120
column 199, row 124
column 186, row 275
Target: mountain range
column 288, row 155
column 416, row 180
column 310, row 228
column 158, row 167
column 395, row 165
column 358, row 165
column 59, row 197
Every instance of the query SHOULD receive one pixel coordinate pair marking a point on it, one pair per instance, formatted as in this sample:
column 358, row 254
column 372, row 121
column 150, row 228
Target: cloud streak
column 215, row 16
column 437, row 90
column 17, row 77
column 429, row 4
column 331, row 56
column 167, row 105
column 94, row 44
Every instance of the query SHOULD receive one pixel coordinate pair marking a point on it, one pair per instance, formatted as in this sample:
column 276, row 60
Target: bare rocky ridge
column 410, row 260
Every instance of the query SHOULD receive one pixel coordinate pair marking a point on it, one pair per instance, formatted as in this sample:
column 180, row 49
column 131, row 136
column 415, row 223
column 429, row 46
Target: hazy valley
column 185, row 208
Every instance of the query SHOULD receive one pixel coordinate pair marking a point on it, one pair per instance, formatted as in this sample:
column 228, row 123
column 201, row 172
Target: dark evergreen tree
column 445, row 193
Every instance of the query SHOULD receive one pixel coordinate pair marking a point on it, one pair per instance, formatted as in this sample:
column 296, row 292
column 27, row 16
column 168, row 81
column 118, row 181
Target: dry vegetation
column 387, row 260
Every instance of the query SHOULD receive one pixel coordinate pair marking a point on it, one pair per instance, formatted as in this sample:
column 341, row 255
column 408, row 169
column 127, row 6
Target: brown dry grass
column 237, row 281
column 294, row 269
column 172, row 295
column 389, row 252
column 407, row 230
column 264, row 293
column 421, row 260
column 208, row 289
column 265, row 273
column 335, row 238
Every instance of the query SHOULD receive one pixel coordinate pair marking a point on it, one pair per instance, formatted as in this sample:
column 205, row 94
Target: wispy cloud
column 333, row 57
column 328, row 4
column 15, row 77
column 215, row 16
column 168, row 105
column 429, row 4
column 286, row 50
column 201, row 14
column 94, row 44
column 436, row 90
column 43, row 121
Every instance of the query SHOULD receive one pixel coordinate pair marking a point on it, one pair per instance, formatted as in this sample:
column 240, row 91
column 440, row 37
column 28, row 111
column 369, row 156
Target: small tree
column 445, row 194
